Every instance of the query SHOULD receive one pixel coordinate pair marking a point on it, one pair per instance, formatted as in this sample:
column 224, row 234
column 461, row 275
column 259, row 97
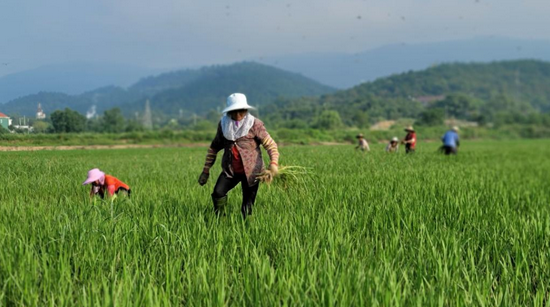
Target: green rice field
column 360, row 229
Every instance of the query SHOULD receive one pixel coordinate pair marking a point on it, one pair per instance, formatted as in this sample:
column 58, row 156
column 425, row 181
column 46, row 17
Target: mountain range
column 189, row 91
column 343, row 70
column 339, row 70
column 514, row 90
column 70, row 78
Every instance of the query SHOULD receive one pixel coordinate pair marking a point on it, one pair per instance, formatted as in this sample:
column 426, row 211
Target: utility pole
column 147, row 117
column 25, row 123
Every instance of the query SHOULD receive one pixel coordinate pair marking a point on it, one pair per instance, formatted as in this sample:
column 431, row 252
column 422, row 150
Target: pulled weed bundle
column 287, row 175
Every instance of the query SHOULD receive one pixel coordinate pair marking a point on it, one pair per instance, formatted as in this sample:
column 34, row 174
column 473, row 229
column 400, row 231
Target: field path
column 86, row 147
column 126, row 146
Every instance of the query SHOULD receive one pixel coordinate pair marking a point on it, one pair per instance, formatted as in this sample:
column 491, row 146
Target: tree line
column 70, row 121
column 491, row 95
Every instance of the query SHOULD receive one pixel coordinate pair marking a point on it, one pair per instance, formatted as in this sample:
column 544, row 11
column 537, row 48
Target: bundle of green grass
column 286, row 176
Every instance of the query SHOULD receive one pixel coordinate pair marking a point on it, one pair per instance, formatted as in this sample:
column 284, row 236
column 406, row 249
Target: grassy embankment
column 287, row 136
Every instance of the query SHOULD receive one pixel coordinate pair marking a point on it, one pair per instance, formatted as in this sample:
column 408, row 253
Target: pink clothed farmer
column 105, row 184
column 240, row 135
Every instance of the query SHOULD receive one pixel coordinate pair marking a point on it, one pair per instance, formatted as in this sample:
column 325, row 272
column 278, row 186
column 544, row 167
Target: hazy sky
column 183, row 33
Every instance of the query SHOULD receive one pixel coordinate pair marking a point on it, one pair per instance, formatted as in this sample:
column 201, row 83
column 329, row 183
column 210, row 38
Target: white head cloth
column 233, row 130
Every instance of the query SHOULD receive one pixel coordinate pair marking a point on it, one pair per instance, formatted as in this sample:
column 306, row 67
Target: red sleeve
column 110, row 183
column 111, row 189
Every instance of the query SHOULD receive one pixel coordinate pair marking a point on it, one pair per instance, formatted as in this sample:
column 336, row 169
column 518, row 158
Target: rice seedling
column 287, row 175
column 360, row 230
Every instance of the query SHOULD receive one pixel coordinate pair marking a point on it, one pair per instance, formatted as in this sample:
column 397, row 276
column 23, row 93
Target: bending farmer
column 102, row 183
column 451, row 141
column 240, row 135
column 410, row 140
column 393, row 145
column 363, row 144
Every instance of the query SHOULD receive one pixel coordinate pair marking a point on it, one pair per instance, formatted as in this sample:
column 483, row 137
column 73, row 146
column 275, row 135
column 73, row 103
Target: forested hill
column 474, row 91
column 191, row 91
column 528, row 80
column 208, row 89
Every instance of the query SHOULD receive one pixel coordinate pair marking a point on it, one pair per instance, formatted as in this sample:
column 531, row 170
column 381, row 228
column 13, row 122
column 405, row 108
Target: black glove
column 203, row 178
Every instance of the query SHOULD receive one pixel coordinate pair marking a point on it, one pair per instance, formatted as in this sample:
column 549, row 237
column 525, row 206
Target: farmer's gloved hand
column 203, row 178
column 274, row 169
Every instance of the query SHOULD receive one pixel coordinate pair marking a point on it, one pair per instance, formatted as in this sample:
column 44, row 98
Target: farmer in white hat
column 451, row 141
column 393, row 145
column 363, row 144
column 240, row 135
column 410, row 140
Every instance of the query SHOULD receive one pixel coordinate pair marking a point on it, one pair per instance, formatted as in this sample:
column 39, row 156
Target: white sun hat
column 236, row 101
column 395, row 139
column 455, row 128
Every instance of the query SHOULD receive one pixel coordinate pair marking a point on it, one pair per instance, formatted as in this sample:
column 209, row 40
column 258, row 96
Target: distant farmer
column 393, row 145
column 410, row 140
column 450, row 141
column 363, row 144
column 102, row 183
column 240, row 135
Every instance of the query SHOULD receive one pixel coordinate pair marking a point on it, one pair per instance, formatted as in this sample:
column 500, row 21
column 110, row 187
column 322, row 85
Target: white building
column 39, row 113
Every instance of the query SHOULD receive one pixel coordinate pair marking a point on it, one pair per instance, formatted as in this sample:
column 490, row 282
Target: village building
column 39, row 113
column 5, row 121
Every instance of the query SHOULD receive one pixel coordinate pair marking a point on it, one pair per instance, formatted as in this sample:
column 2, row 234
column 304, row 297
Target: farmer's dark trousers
column 225, row 184
column 449, row 150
